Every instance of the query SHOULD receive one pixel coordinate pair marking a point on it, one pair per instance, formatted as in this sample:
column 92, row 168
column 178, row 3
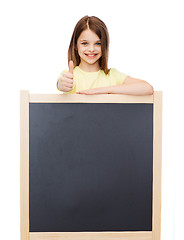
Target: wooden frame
column 25, row 99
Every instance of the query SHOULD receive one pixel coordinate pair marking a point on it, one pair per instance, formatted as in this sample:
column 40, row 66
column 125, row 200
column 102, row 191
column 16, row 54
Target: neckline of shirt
column 89, row 73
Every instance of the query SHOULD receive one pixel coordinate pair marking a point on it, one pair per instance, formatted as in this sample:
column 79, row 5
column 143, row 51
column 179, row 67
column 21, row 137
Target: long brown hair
column 98, row 26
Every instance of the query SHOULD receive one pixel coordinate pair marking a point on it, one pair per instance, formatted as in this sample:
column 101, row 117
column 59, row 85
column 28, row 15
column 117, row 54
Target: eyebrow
column 87, row 40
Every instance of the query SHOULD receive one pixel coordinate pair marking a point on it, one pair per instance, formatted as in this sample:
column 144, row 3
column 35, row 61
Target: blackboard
column 90, row 167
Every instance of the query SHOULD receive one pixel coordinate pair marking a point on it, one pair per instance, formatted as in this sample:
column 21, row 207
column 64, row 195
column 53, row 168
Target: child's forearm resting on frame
column 131, row 86
column 139, row 88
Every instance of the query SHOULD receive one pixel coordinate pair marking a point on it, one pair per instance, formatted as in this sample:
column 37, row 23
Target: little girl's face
column 89, row 48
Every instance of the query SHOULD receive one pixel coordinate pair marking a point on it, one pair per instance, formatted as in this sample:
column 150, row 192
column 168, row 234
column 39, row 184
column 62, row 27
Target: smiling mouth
column 91, row 55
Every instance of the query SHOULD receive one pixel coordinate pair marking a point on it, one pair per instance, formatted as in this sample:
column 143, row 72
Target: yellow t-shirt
column 87, row 80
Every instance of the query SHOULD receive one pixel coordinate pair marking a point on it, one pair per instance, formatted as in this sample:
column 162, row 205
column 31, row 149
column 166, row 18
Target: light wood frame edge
column 24, row 165
column 157, row 165
column 98, row 98
column 91, row 236
column 25, row 99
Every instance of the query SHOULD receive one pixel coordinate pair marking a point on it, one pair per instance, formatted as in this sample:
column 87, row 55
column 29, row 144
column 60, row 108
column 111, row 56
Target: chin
column 92, row 61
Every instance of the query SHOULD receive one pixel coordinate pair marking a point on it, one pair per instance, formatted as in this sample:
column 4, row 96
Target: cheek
column 82, row 49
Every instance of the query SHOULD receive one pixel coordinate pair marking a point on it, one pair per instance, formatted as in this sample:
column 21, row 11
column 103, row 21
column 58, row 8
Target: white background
column 146, row 42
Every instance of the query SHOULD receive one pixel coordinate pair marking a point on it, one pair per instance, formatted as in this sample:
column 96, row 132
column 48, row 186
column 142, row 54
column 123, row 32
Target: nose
column 91, row 48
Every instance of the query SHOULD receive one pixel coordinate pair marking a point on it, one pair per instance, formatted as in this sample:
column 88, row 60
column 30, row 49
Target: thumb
column 70, row 66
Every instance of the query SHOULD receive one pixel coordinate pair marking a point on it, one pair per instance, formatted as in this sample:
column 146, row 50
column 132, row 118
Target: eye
column 84, row 43
column 98, row 43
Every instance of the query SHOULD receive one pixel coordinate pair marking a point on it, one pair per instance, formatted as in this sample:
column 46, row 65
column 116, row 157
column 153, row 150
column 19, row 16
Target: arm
column 130, row 86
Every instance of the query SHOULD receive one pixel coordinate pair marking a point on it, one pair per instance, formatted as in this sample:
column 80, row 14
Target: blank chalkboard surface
column 90, row 167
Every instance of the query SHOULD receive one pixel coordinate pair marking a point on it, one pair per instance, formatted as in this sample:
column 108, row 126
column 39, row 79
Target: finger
column 67, row 89
column 68, row 75
column 70, row 66
column 68, row 85
column 67, row 80
column 82, row 92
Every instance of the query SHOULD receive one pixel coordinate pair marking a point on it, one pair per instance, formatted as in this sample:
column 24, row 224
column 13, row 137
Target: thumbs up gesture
column 65, row 82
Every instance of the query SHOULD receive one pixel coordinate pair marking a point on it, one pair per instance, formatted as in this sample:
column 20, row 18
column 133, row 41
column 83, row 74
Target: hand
column 65, row 82
column 101, row 90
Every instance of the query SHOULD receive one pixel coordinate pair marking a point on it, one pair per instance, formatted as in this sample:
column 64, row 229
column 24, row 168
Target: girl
column 88, row 64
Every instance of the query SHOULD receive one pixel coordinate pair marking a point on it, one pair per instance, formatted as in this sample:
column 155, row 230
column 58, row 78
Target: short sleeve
column 72, row 91
column 117, row 76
